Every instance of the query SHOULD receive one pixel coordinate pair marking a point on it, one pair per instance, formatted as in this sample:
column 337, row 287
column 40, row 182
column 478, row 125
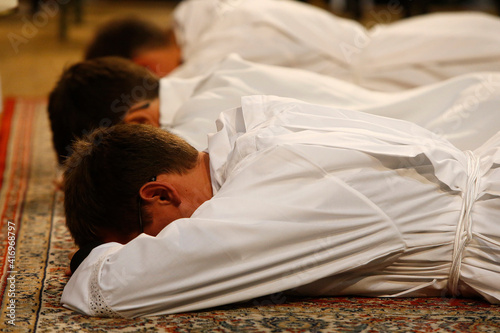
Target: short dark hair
column 126, row 37
column 96, row 93
column 106, row 171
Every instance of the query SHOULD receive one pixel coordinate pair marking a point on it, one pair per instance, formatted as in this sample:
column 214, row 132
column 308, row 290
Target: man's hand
column 70, row 256
column 59, row 182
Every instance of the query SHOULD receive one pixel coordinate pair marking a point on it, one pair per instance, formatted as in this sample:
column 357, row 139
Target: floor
column 32, row 56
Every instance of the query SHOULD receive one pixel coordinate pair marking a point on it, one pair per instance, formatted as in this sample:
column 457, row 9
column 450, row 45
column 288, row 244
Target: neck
column 203, row 172
column 194, row 187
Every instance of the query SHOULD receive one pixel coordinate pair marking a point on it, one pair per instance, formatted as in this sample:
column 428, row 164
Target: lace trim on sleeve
column 98, row 305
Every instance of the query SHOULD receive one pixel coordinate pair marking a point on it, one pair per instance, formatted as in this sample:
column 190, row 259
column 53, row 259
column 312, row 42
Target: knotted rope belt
column 463, row 234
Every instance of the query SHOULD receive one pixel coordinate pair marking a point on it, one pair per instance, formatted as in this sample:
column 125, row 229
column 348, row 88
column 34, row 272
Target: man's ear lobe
column 159, row 192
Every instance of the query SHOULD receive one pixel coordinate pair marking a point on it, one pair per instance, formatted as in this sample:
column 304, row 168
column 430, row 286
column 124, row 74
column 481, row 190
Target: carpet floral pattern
column 35, row 246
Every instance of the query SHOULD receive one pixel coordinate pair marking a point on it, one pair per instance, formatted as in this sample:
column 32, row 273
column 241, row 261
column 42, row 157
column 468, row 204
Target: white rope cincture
column 463, row 234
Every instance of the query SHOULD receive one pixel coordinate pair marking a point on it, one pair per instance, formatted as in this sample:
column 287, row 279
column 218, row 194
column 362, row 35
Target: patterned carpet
column 35, row 245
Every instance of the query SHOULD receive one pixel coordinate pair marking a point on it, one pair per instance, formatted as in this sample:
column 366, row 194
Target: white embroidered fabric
column 98, row 305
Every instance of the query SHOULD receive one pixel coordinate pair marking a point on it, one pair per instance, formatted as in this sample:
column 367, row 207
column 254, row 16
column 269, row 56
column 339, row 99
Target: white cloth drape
column 464, row 110
column 387, row 57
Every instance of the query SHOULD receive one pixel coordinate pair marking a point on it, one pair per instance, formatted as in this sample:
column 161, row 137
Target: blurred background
column 40, row 38
column 37, row 43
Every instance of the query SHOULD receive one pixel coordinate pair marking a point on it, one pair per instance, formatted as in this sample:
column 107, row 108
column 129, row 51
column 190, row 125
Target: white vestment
column 464, row 110
column 388, row 57
column 313, row 200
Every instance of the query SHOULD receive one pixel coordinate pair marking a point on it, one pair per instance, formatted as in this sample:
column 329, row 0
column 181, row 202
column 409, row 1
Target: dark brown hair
column 126, row 37
column 95, row 93
column 106, row 171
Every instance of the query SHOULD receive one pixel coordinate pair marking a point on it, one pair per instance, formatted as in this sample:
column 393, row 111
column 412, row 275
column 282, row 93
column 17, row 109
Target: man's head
column 112, row 170
column 99, row 93
column 139, row 40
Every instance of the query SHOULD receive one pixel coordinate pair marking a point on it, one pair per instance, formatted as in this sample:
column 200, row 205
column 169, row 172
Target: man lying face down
column 106, row 91
column 99, row 93
column 289, row 197
column 139, row 40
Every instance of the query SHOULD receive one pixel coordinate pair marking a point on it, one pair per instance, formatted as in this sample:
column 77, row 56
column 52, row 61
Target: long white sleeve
column 238, row 247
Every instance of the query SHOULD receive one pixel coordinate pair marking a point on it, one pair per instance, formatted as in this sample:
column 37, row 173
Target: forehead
column 144, row 112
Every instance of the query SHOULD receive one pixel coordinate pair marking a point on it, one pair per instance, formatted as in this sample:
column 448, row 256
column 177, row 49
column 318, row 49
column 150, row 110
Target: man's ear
column 160, row 192
column 144, row 62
